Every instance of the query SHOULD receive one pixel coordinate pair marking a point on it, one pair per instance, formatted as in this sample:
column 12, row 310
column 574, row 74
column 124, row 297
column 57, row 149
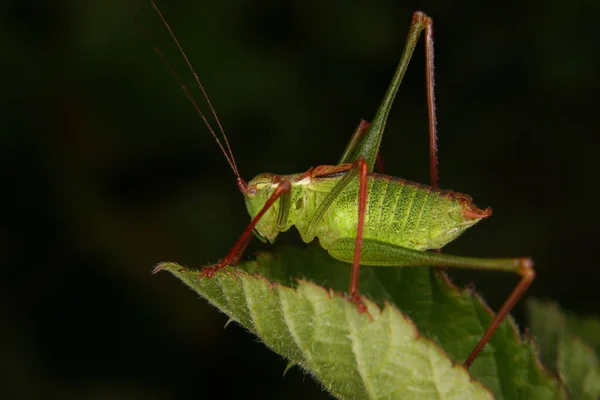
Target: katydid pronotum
column 362, row 217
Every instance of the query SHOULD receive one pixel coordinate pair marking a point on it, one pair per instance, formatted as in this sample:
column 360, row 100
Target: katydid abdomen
column 398, row 212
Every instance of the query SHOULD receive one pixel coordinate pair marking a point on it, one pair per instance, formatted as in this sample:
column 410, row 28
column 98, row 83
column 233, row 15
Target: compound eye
column 251, row 191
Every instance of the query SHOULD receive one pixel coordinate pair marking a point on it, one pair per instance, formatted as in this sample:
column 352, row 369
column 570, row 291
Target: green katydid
column 362, row 217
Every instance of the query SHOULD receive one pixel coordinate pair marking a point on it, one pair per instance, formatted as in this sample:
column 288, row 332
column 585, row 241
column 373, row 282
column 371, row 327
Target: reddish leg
column 430, row 82
column 361, row 165
column 432, row 127
column 525, row 264
column 527, row 276
column 238, row 248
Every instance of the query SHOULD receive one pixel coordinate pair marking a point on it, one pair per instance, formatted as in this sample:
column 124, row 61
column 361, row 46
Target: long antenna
column 214, row 113
column 227, row 153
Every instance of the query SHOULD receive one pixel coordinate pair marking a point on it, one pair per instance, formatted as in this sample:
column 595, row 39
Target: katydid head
column 257, row 193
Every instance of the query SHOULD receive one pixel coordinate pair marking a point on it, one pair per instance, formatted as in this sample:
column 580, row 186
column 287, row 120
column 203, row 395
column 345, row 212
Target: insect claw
column 360, row 305
column 207, row 272
column 158, row 268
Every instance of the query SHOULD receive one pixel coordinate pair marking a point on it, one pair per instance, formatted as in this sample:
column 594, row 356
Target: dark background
column 107, row 170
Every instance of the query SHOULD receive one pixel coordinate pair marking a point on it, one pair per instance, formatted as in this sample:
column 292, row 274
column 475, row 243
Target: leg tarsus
column 361, row 307
column 207, row 272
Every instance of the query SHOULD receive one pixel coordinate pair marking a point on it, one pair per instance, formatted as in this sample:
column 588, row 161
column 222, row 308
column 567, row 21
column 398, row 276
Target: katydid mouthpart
column 361, row 217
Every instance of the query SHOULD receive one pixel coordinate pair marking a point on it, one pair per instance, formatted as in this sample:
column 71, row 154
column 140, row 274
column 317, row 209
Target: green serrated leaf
column 561, row 347
column 278, row 298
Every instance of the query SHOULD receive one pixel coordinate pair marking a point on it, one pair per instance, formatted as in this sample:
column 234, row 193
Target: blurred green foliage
column 566, row 346
column 106, row 169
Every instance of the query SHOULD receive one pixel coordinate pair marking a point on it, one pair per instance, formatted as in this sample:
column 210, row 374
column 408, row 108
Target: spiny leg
column 238, row 248
column 429, row 85
column 525, row 268
column 361, row 166
column 398, row 256
column 527, row 276
column 431, row 113
column 354, row 148
column 369, row 143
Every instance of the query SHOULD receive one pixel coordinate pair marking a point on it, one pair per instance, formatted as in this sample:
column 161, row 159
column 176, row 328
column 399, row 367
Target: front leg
column 240, row 246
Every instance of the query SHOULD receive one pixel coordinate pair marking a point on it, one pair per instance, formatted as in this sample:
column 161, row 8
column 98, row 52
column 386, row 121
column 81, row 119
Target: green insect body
column 398, row 212
column 361, row 217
